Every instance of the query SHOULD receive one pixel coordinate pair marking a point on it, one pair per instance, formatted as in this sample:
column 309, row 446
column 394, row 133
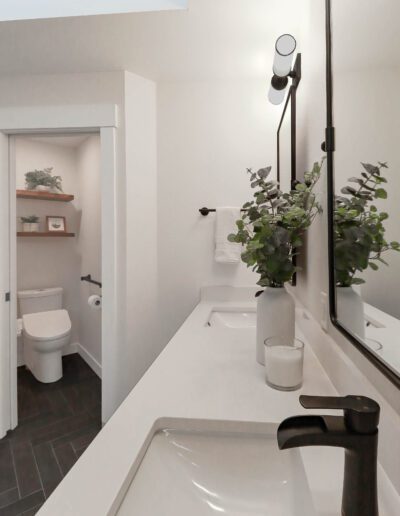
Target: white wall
column 208, row 133
column 141, row 340
column 49, row 262
column 89, row 245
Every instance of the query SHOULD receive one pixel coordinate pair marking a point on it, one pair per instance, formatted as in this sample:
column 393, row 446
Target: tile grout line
column 28, row 510
column 7, row 490
column 4, row 492
column 85, row 428
column 37, row 469
column 61, row 391
column 25, row 510
column 15, row 470
column 55, row 456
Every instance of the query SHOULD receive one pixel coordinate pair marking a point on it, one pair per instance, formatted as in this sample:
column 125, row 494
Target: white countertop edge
column 189, row 380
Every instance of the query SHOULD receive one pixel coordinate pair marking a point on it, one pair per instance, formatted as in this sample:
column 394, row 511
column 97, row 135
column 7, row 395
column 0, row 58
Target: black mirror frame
column 328, row 146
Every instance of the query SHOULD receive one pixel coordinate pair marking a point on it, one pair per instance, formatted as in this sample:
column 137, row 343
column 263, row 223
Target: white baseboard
column 89, row 359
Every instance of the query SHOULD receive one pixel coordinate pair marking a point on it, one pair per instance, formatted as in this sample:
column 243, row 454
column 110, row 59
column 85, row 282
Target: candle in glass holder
column 284, row 363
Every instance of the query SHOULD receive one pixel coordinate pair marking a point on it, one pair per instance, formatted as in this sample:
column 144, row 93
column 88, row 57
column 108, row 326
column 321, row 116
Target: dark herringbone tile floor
column 56, row 423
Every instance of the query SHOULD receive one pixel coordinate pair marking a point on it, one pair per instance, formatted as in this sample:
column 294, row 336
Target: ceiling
column 213, row 39
column 27, row 9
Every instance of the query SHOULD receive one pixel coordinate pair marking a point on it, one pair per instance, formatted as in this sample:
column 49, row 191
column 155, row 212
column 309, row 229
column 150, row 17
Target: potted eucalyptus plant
column 271, row 231
column 30, row 223
column 43, row 180
column 359, row 236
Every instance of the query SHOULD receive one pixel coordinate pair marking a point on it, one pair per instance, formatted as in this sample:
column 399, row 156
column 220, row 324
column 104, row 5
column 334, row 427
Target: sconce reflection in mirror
column 285, row 47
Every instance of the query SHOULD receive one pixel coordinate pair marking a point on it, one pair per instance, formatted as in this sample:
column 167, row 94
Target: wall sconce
column 284, row 50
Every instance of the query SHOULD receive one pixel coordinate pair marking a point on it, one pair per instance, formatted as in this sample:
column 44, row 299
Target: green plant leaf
column 263, row 173
column 371, row 169
column 380, row 193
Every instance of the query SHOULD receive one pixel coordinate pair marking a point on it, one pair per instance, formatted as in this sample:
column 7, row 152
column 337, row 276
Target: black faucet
column 356, row 431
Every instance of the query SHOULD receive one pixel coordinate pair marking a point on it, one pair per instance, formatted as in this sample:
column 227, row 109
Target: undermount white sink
column 211, row 472
column 234, row 319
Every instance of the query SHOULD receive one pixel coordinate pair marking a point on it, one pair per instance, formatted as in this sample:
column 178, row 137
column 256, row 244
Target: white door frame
column 80, row 118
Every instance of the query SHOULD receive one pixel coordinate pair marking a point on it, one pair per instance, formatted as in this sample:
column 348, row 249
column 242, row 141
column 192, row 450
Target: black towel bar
column 205, row 211
column 89, row 279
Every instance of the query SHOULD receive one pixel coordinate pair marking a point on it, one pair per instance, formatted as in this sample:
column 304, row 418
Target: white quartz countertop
column 203, row 373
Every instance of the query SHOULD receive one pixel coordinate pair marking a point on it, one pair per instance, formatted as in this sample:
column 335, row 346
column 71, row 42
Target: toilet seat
column 51, row 325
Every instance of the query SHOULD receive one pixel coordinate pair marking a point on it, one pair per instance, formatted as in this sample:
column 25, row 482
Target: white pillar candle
column 284, row 366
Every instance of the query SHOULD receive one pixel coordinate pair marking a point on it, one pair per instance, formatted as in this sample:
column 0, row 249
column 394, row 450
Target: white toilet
column 46, row 330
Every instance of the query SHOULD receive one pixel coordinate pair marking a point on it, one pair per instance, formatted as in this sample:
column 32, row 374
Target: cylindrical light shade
column 275, row 96
column 284, row 48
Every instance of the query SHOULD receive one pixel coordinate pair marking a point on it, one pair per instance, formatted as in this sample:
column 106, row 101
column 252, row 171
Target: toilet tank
column 40, row 300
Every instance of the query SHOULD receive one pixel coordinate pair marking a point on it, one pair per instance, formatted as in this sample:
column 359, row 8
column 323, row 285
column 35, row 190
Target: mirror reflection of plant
column 272, row 226
column 30, row 219
column 359, row 232
column 43, row 178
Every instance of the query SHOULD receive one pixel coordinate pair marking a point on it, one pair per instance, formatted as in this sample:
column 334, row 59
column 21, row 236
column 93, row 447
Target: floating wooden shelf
column 44, row 196
column 44, row 234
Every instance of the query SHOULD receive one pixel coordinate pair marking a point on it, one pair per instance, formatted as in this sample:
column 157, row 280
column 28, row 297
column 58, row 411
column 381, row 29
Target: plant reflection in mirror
column 272, row 226
column 359, row 232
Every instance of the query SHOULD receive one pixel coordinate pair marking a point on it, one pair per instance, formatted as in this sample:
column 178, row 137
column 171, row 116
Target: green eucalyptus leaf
column 371, row 169
column 380, row 193
column 263, row 173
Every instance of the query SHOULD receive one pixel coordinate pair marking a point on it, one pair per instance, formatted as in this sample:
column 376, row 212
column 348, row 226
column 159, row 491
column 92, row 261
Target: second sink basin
column 233, row 319
column 209, row 472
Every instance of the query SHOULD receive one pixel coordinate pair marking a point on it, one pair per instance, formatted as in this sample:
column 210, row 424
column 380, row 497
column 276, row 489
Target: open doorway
column 78, row 123
column 58, row 212
column 57, row 178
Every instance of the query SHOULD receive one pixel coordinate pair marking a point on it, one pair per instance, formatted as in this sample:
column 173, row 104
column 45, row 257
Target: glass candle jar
column 284, row 363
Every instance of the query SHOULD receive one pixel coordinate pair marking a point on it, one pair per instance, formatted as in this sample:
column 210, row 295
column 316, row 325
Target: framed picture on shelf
column 56, row 224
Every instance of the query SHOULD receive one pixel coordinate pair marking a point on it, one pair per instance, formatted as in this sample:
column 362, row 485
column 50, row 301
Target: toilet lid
column 53, row 324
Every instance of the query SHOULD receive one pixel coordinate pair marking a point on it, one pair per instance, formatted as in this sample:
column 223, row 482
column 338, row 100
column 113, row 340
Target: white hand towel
column 226, row 252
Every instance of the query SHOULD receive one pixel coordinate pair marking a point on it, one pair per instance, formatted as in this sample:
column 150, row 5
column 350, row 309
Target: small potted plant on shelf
column 43, row 180
column 272, row 231
column 30, row 223
column 359, row 236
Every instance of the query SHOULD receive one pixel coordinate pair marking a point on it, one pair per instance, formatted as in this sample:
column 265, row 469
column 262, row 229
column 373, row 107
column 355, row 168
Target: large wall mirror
column 364, row 173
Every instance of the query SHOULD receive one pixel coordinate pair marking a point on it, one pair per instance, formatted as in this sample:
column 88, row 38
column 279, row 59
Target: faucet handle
column 361, row 414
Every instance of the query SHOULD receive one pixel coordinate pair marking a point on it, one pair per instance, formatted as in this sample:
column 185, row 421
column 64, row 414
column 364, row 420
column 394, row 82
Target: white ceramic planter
column 275, row 317
column 30, row 227
column 42, row 188
column 350, row 310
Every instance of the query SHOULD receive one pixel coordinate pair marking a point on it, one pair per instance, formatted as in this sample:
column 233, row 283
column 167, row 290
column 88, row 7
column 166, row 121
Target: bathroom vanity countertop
column 203, row 373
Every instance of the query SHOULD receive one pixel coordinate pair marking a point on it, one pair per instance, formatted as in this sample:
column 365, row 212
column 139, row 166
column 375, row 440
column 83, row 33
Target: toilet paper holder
column 89, row 279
